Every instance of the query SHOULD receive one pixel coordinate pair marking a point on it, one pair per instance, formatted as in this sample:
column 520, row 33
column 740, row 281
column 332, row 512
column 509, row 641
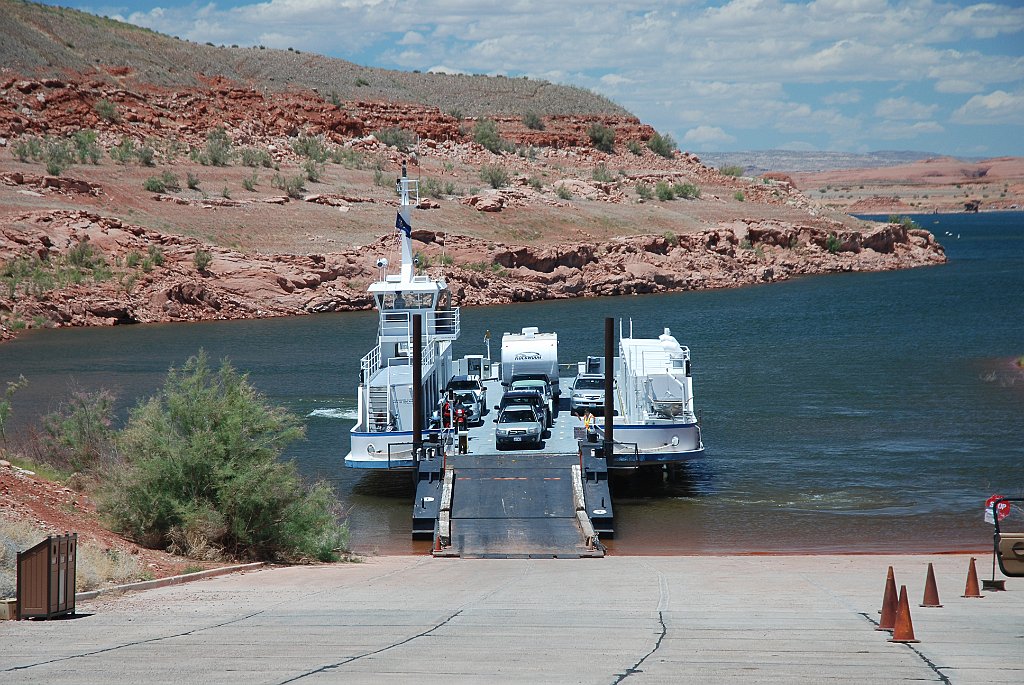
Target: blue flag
column 402, row 225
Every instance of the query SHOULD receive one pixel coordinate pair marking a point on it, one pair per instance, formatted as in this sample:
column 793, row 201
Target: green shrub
column 5, row 404
column 57, row 155
column 347, row 157
column 156, row 254
column 311, row 147
column 293, row 187
column 78, row 436
column 249, row 182
column 495, row 175
column 485, row 133
column 107, row 110
column 731, row 170
column 192, row 181
column 671, row 238
column 532, row 120
column 904, row 221
column 664, row 191
column 153, row 184
column 218, row 148
column 635, row 147
column 203, row 472
column 739, row 196
column 146, row 155
column 832, row 243
column 687, row 191
column 256, row 157
column 663, row 145
column 361, row 82
column 123, row 152
column 563, row 192
column 644, row 191
column 602, row 137
column 601, row 174
column 312, row 170
column 399, row 138
column 202, row 260
column 132, row 259
column 27, row 149
column 432, row 187
column 536, row 183
column 86, row 147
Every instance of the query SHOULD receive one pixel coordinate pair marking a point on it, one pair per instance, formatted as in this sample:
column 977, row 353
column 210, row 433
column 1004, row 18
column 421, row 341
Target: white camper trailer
column 529, row 355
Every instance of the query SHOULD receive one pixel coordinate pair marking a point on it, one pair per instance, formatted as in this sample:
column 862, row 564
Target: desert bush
column 635, row 147
column 249, row 182
column 671, row 238
column 311, row 170
column 146, row 155
column 192, row 181
column 485, row 133
column 86, row 147
column 602, row 174
column 15, row 536
column 202, row 465
column 217, row 151
column 27, row 149
column 644, row 191
column 293, row 187
column 311, row 147
column 133, row 259
column 495, row 175
column 347, row 157
column 832, row 243
column 5, row 406
column 399, row 138
column 739, row 196
column 361, row 82
column 664, row 191
column 663, row 145
column 57, row 155
column 123, row 152
column 202, row 259
column 602, row 137
column 255, row 157
column 687, row 191
column 536, row 183
column 563, row 192
column 107, row 110
column 432, row 187
column 731, row 170
column 78, row 437
column 533, row 121
column 156, row 254
column 904, row 221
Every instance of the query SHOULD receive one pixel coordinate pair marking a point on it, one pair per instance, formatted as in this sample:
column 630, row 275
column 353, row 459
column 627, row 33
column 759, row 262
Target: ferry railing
column 443, row 324
column 370, row 363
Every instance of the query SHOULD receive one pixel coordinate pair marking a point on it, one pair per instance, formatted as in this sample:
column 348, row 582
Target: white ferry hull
column 658, row 444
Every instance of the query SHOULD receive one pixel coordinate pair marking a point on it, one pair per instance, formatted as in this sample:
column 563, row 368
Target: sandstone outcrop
column 138, row 287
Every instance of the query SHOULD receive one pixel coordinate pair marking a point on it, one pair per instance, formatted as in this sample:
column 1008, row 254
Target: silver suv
column 518, row 425
column 587, row 393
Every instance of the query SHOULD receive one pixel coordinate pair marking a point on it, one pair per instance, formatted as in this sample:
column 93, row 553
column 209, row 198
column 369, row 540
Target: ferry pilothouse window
column 405, row 300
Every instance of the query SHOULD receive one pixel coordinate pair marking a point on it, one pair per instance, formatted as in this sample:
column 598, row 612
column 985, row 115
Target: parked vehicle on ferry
column 472, row 384
column 587, row 394
column 530, row 398
column 518, row 426
column 542, row 388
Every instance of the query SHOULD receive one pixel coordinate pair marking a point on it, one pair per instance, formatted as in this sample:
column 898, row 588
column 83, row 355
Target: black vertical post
column 609, row 386
column 417, row 385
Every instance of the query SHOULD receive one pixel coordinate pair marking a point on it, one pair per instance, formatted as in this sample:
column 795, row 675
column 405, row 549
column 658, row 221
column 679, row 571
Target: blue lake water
column 854, row 412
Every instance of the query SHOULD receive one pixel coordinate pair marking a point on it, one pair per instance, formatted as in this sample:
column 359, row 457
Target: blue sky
column 842, row 75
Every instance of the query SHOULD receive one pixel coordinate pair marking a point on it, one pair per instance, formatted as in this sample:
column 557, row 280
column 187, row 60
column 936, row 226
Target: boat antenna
column 407, row 189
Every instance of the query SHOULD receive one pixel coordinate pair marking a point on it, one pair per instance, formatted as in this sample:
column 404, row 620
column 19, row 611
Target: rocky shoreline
column 143, row 276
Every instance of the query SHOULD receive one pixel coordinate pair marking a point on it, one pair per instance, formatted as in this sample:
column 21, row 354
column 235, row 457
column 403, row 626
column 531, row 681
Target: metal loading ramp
column 515, row 505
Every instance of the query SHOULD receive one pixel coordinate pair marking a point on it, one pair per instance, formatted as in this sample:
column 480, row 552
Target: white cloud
column 707, row 135
column 998, row 107
column 955, row 85
column 986, row 20
column 847, row 97
column 615, row 80
column 898, row 130
column 904, row 108
column 412, row 38
column 442, row 69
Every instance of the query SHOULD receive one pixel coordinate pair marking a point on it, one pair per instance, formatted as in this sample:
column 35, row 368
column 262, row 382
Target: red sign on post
column 1002, row 509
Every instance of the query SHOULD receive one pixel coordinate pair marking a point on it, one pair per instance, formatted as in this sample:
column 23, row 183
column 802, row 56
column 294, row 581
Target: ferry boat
column 655, row 423
column 382, row 436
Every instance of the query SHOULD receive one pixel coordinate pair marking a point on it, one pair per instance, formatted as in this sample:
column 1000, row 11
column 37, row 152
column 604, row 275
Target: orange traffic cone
column 931, row 592
column 888, row 619
column 904, row 630
column 972, row 589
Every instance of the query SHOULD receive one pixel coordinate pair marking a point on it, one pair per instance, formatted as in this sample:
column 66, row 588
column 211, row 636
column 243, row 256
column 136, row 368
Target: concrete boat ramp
column 779, row 619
